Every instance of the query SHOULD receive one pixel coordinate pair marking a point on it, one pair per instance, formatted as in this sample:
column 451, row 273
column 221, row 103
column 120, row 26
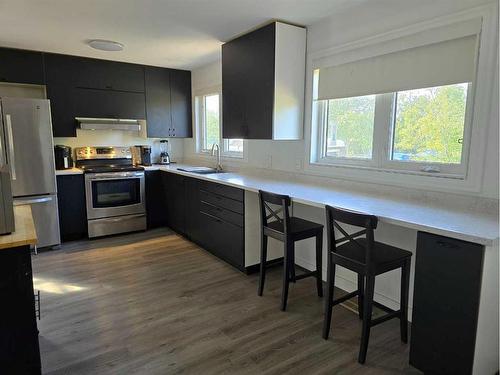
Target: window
column 405, row 111
column 422, row 130
column 429, row 124
column 208, row 123
column 349, row 128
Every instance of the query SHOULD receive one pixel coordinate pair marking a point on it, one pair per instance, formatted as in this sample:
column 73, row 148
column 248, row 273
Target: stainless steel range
column 114, row 190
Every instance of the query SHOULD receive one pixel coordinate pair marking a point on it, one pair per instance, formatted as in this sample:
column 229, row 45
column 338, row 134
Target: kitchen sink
column 199, row 170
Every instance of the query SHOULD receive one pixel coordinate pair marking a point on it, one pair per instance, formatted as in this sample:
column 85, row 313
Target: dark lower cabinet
column 19, row 348
column 72, row 208
column 209, row 214
column 156, row 207
column 174, row 187
column 445, row 304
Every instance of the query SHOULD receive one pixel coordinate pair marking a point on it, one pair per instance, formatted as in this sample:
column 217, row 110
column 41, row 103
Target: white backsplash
column 120, row 138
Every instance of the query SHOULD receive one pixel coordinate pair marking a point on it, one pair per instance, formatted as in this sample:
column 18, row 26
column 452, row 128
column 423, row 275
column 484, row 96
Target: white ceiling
column 170, row 33
column 179, row 33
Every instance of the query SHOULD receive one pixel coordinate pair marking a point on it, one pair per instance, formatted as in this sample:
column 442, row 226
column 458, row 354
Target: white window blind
column 443, row 63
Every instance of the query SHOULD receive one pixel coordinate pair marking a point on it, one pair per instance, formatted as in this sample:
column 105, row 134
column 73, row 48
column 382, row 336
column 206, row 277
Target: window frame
column 383, row 139
column 200, row 125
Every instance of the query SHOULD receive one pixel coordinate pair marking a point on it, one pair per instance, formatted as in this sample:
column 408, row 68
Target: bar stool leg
column 330, row 279
column 286, row 272
column 291, row 258
column 367, row 317
column 361, row 293
column 319, row 263
column 263, row 260
column 405, row 286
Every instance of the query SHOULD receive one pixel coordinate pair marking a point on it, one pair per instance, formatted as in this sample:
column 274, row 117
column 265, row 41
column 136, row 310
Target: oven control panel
column 85, row 153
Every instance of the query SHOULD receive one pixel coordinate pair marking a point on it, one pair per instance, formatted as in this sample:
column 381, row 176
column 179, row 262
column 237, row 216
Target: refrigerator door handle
column 10, row 137
column 21, row 201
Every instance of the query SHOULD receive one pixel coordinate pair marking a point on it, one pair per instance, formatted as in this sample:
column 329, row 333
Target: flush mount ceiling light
column 105, row 45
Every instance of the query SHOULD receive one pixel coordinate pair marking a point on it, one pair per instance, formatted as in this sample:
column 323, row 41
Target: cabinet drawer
column 223, row 239
column 222, row 213
column 226, row 191
column 220, row 201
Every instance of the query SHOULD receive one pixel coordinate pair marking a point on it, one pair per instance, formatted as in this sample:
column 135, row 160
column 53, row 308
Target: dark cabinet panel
column 72, row 209
column 248, row 84
column 214, row 221
column 60, row 74
column 19, row 348
column 223, row 239
column 445, row 304
column 156, row 207
column 109, row 75
column 19, row 66
column 62, row 101
column 180, row 92
column 109, row 104
column 175, row 191
column 158, row 115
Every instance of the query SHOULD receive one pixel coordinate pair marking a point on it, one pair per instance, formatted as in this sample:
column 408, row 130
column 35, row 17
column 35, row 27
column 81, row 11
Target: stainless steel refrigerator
column 27, row 139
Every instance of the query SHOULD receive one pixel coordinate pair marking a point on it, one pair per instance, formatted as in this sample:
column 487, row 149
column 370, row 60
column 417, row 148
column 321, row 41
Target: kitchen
column 142, row 178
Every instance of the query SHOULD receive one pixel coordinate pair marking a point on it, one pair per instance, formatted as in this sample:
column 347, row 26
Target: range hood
column 88, row 123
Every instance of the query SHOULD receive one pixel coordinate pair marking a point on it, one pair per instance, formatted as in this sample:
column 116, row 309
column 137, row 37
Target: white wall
column 347, row 26
column 120, row 138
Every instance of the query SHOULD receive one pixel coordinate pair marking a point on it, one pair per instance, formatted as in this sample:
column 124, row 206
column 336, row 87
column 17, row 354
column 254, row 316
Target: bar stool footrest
column 304, row 275
column 344, row 298
column 386, row 317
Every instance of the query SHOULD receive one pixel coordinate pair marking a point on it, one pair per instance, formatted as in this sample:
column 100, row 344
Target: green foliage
column 351, row 120
column 430, row 124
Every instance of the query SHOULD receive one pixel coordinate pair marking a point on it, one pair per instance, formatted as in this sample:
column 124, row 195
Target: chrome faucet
column 214, row 147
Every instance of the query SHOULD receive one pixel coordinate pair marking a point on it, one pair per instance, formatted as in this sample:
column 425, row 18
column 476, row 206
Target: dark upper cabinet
column 19, row 66
column 72, row 208
column 158, row 114
column 60, row 71
column 62, row 100
column 263, row 83
column 445, row 304
column 180, row 104
column 108, row 104
column 109, row 75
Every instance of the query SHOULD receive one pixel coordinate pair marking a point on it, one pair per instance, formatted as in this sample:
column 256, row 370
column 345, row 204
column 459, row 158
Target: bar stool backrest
column 274, row 207
column 335, row 216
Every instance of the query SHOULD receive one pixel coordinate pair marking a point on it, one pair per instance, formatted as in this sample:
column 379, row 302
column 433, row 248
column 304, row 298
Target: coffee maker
column 141, row 155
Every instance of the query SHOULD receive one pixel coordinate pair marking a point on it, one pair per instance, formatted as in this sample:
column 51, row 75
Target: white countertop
column 472, row 226
column 476, row 227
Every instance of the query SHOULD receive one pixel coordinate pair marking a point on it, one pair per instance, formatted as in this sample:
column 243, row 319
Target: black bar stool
column 368, row 259
column 288, row 230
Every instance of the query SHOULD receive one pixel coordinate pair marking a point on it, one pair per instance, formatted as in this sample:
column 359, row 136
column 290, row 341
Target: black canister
column 63, row 157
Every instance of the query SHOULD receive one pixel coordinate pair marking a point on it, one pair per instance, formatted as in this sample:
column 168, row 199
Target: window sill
column 403, row 172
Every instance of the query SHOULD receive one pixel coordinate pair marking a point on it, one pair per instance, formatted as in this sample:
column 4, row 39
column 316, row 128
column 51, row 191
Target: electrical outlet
column 268, row 163
column 299, row 164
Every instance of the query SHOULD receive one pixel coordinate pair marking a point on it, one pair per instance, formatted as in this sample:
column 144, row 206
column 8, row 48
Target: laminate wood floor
column 155, row 303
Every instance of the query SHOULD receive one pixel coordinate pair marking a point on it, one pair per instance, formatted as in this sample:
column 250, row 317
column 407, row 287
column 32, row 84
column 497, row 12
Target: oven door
column 114, row 194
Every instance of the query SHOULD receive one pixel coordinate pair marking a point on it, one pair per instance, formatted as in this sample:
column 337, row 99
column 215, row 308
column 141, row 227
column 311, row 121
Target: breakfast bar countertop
column 473, row 226
column 24, row 234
